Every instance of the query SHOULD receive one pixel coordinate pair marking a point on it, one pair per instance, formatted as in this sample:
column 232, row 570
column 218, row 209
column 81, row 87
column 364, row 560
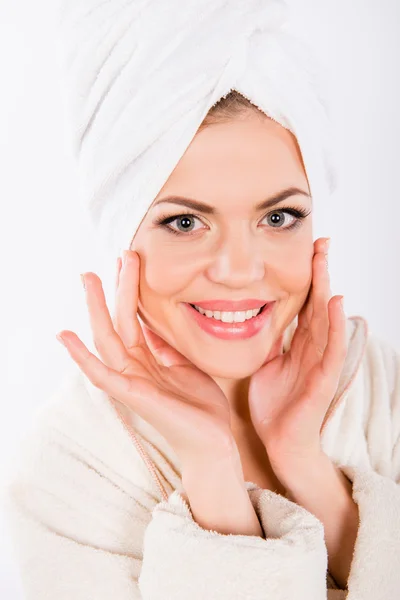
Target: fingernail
column 341, row 303
column 83, row 281
column 327, row 242
column 60, row 339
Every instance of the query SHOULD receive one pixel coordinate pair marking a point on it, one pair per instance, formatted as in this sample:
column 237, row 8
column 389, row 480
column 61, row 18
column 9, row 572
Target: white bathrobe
column 96, row 507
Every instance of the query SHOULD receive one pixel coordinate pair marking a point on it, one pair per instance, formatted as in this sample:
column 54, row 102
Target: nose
column 237, row 263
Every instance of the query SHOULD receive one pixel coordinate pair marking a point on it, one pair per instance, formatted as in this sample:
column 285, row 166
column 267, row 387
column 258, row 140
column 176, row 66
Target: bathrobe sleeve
column 289, row 562
column 375, row 568
column 78, row 535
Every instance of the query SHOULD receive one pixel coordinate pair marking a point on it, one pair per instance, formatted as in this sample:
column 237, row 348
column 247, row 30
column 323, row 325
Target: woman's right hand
column 182, row 402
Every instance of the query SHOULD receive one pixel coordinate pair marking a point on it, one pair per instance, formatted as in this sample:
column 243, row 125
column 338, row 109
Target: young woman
column 240, row 440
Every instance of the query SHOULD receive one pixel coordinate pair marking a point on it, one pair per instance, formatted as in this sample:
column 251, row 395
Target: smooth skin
column 233, row 254
column 210, row 393
column 289, row 396
column 178, row 399
column 164, row 388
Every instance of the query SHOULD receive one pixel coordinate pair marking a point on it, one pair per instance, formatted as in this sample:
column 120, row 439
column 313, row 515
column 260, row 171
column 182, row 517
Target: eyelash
column 299, row 213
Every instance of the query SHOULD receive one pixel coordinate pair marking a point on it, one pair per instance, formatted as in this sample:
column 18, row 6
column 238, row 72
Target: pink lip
column 231, row 331
column 231, row 305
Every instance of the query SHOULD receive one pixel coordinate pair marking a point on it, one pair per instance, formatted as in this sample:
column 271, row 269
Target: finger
column 126, row 303
column 138, row 393
column 322, row 386
column 162, row 350
column 118, row 270
column 119, row 265
column 321, row 294
column 320, row 244
column 106, row 340
column 336, row 348
column 126, row 317
column 303, row 321
column 319, row 247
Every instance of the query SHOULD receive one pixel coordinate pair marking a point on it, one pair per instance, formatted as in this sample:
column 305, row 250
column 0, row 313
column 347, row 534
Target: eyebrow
column 210, row 210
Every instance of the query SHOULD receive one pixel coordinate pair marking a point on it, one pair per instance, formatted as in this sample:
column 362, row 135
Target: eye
column 278, row 218
column 185, row 223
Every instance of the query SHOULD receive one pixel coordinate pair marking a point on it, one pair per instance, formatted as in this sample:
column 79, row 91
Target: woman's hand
column 289, row 396
column 183, row 403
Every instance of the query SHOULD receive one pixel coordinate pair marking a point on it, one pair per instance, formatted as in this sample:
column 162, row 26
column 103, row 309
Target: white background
column 44, row 239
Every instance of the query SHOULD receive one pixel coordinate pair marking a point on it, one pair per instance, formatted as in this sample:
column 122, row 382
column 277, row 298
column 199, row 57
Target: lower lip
column 232, row 331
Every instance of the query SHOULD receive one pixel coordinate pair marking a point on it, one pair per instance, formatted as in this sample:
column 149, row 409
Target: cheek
column 294, row 273
column 166, row 267
column 165, row 276
column 169, row 269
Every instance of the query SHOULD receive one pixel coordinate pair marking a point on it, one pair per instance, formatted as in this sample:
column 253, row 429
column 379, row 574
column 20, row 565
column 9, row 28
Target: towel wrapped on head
column 140, row 76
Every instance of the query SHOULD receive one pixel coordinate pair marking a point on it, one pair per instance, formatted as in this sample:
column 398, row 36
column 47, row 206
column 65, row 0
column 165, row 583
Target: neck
column 237, row 394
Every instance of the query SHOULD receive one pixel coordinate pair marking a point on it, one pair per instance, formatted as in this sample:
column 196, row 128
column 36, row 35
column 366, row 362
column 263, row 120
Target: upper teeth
column 229, row 317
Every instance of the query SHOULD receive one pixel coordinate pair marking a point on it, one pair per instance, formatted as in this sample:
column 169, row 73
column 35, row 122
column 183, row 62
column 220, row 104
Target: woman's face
column 231, row 250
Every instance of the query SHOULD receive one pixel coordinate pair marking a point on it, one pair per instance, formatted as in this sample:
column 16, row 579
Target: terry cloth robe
column 97, row 510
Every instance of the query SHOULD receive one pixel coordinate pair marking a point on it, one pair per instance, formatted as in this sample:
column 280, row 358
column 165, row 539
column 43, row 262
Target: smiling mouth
column 228, row 316
column 229, row 325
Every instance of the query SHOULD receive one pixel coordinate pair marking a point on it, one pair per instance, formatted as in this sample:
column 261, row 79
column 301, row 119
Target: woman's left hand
column 290, row 395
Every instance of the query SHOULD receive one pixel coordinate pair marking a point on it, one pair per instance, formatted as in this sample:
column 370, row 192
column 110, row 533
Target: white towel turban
column 141, row 75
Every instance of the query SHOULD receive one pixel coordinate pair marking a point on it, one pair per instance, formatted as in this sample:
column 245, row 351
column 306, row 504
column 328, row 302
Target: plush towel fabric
column 139, row 76
column 97, row 509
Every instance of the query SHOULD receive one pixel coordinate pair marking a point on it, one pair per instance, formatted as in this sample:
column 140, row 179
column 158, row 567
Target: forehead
column 245, row 158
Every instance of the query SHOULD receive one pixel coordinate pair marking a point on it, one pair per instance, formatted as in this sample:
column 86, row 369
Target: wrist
column 218, row 498
column 214, row 462
column 218, row 471
column 294, row 470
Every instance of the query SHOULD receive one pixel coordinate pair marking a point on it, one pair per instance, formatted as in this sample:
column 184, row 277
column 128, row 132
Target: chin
column 222, row 370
